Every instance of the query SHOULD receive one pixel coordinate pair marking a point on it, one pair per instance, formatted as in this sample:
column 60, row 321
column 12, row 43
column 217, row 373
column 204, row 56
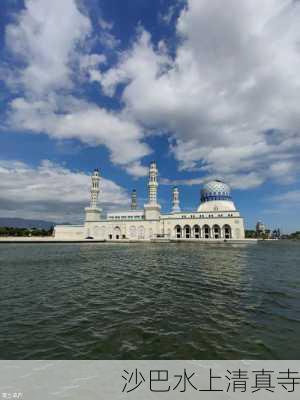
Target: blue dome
column 215, row 190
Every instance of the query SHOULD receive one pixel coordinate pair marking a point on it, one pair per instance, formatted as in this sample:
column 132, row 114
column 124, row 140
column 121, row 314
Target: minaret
column 175, row 201
column 152, row 208
column 152, row 185
column 93, row 213
column 133, row 200
column 95, row 188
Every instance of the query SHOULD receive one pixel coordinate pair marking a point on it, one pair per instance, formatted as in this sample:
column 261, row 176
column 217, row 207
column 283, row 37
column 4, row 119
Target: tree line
column 13, row 231
column 271, row 235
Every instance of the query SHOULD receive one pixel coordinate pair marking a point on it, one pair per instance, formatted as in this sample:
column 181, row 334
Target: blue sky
column 207, row 92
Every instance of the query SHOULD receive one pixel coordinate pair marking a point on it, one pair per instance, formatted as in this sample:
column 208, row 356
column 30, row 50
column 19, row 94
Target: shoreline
column 50, row 240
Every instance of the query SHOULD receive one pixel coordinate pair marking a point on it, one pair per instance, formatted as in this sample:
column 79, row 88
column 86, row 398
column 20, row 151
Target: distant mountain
column 26, row 223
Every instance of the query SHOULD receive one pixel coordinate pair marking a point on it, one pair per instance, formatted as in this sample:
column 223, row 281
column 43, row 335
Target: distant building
column 260, row 228
column 216, row 217
column 262, row 232
column 276, row 234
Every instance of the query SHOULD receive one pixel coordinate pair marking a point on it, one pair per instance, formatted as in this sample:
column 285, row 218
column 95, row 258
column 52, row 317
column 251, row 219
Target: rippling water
column 152, row 301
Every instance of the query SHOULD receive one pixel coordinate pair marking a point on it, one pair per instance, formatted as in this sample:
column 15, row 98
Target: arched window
column 196, row 231
column 216, row 232
column 187, row 231
column 206, row 232
column 117, row 232
column 227, row 232
column 178, row 231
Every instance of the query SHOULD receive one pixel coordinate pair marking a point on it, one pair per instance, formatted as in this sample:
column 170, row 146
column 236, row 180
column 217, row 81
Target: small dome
column 215, row 190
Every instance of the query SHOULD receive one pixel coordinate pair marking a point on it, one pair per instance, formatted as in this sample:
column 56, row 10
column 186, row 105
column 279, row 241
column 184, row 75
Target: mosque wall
column 69, row 232
column 188, row 228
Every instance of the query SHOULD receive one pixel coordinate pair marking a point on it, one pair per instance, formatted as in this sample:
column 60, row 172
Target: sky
column 205, row 90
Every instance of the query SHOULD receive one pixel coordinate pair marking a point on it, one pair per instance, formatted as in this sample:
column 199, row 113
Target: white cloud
column 45, row 37
column 230, row 97
column 104, row 24
column 106, row 38
column 50, row 40
column 66, row 117
column 51, row 192
column 136, row 169
column 172, row 11
column 91, row 61
column 286, row 198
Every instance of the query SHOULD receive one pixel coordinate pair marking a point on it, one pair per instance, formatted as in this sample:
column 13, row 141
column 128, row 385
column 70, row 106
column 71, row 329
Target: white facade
column 215, row 219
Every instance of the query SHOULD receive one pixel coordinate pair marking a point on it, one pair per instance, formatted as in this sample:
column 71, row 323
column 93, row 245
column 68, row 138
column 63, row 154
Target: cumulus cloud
column 229, row 98
column 104, row 24
column 89, row 63
column 45, row 37
column 106, row 37
column 67, row 117
column 172, row 11
column 50, row 41
column 51, row 192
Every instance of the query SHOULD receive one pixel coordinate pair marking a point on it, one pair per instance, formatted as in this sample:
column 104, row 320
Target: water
column 150, row 301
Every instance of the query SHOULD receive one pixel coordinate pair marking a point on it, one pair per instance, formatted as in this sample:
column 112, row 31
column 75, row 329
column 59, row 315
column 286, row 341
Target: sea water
column 150, row 301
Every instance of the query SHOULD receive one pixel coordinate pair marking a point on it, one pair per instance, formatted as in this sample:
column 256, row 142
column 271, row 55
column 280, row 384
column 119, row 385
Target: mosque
column 216, row 218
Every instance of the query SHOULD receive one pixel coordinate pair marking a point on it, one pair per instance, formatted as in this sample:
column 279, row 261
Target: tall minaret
column 175, row 201
column 152, row 185
column 133, row 200
column 152, row 208
column 93, row 213
column 95, row 188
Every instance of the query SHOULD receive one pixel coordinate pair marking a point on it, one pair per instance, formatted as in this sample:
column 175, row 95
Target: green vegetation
column 271, row 235
column 27, row 232
column 251, row 234
column 294, row 235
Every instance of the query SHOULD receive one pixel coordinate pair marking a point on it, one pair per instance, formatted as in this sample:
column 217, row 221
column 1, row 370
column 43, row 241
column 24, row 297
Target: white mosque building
column 216, row 218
